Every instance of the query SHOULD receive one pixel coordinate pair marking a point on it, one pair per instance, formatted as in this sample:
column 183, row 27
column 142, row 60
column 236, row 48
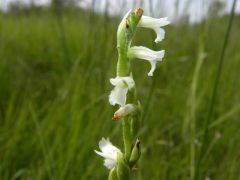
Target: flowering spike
column 124, row 92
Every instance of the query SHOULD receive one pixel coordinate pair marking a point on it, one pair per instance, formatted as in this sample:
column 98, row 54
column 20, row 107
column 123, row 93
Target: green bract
column 125, row 33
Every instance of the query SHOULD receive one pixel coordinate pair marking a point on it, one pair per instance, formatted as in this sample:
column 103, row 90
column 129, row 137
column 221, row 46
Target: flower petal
column 118, row 96
column 153, row 67
column 106, row 146
column 141, row 52
column 109, row 152
column 155, row 24
column 119, row 93
column 109, row 163
column 160, row 34
column 149, row 22
column 100, row 153
column 126, row 81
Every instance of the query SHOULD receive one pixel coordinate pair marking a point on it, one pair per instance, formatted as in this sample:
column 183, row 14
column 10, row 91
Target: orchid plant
column 124, row 92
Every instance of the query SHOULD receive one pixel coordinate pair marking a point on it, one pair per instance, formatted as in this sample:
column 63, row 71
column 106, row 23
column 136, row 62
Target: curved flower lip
column 109, row 152
column 155, row 24
column 119, row 93
column 141, row 52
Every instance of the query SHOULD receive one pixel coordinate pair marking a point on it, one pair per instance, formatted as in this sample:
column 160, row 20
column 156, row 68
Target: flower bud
column 123, row 111
column 136, row 152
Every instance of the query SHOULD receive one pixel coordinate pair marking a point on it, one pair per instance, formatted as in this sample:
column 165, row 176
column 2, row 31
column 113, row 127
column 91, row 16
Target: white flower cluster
column 124, row 84
column 141, row 52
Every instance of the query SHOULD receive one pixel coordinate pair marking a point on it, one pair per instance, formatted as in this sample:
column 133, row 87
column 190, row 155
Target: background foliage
column 55, row 65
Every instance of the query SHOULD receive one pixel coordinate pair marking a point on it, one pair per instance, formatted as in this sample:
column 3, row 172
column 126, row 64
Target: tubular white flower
column 123, row 111
column 122, row 85
column 155, row 24
column 141, row 52
column 109, row 152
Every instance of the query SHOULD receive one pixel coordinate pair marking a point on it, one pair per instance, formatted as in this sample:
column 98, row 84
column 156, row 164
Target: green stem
column 113, row 174
column 190, row 121
column 214, row 93
column 127, row 137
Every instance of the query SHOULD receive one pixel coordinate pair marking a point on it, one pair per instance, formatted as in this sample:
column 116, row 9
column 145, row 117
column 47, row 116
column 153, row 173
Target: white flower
column 123, row 111
column 122, row 85
column 109, row 152
column 146, row 54
column 155, row 24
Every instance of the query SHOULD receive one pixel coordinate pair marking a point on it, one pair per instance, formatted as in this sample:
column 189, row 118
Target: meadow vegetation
column 54, row 86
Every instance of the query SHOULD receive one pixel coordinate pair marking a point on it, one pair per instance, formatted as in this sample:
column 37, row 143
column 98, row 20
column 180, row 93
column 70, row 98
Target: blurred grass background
column 55, row 65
